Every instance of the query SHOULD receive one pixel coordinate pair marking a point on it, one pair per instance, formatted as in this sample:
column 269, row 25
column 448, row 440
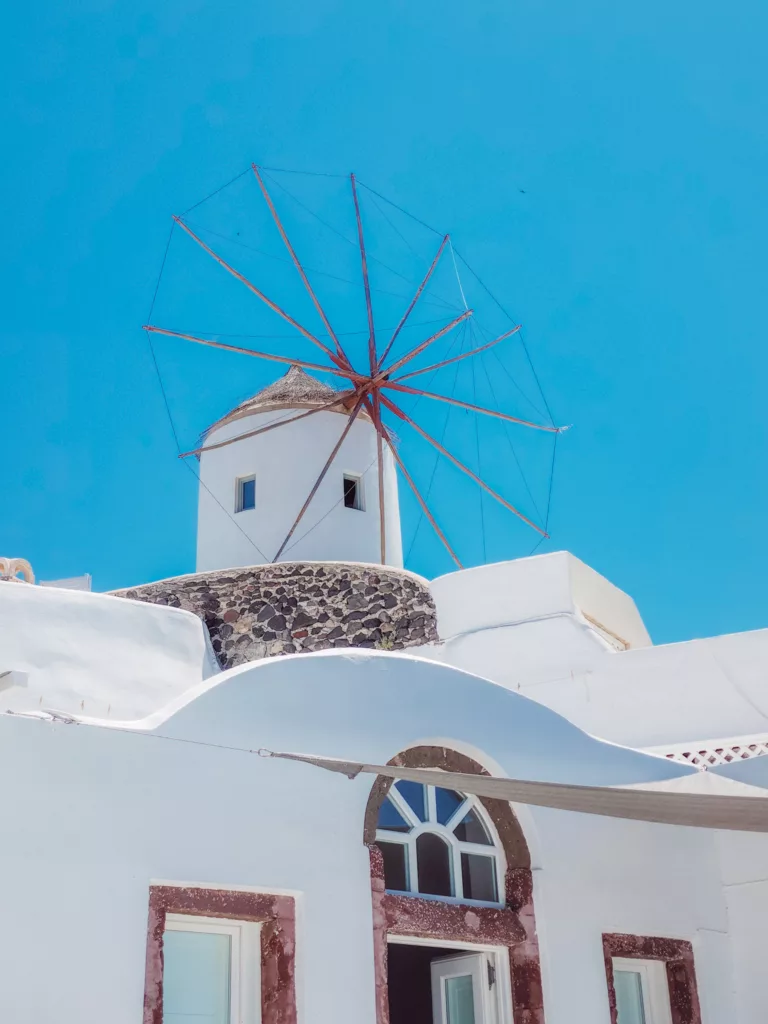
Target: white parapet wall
column 551, row 627
column 529, row 589
column 94, row 654
column 532, row 620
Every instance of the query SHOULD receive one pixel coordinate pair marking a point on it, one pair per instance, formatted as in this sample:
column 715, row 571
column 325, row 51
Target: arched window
column 437, row 842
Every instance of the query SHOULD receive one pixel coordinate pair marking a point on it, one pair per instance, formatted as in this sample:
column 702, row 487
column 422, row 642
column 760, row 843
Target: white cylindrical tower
column 252, row 489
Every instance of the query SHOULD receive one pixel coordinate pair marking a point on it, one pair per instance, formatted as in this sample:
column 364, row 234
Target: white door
column 461, row 990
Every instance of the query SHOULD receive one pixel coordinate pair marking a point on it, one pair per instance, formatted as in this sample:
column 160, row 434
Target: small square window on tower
column 245, row 493
column 353, row 491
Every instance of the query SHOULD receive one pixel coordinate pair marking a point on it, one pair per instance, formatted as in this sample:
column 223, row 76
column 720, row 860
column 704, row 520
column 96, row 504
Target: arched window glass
column 437, row 842
column 433, row 858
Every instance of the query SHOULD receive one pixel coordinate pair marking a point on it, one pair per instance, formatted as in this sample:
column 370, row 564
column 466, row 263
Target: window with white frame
column 439, row 843
column 245, row 493
column 211, row 971
column 642, row 991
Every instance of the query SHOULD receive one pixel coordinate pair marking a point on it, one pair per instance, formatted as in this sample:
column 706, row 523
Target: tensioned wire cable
column 508, row 437
column 216, row 191
column 319, row 334
column 311, row 270
column 429, row 227
column 480, row 281
column 435, row 464
column 477, row 455
column 334, row 506
column 351, row 241
column 168, row 408
column 162, row 384
column 454, row 253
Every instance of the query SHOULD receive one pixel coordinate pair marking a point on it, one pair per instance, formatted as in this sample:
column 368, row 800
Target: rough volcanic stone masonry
column 265, row 610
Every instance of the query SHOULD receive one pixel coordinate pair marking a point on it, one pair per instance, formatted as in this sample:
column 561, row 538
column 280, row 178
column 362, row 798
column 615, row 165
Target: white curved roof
column 370, row 705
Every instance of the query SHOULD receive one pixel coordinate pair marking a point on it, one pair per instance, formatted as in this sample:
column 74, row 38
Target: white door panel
column 461, row 990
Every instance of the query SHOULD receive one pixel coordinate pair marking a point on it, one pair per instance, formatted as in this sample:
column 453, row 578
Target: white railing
column 715, row 752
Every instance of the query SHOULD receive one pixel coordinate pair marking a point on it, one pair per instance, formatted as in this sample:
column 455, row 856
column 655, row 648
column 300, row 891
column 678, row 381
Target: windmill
column 376, row 389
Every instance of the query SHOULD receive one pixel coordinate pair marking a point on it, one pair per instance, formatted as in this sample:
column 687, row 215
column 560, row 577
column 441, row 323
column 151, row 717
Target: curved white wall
column 287, row 462
column 95, row 815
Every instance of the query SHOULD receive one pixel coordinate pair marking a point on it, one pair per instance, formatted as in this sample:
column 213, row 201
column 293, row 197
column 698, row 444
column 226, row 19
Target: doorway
column 444, row 984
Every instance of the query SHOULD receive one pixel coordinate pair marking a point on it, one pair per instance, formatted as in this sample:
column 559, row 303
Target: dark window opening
column 353, row 496
column 409, row 981
column 433, row 861
column 434, row 985
column 471, row 830
column 478, row 876
column 395, row 866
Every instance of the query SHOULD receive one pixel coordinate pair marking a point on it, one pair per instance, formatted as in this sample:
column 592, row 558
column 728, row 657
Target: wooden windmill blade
column 379, row 388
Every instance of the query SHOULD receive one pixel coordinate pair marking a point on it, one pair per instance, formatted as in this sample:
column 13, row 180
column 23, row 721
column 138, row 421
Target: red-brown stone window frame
column 512, row 926
column 677, row 956
column 277, row 915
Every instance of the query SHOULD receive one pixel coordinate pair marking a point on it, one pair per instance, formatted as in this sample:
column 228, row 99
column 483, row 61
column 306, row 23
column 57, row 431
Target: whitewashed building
column 160, row 866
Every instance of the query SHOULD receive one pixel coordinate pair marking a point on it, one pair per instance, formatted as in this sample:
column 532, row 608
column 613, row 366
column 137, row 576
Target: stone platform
column 290, row 607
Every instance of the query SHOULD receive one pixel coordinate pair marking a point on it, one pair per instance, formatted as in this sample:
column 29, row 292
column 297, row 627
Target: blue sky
column 601, row 166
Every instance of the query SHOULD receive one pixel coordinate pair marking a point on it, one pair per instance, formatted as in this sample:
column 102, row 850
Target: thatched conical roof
column 296, row 389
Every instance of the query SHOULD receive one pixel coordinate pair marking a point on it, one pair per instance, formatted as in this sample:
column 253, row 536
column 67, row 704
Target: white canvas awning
column 700, row 800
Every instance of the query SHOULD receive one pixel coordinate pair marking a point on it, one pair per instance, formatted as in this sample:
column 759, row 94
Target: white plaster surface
column 693, row 691
column 97, row 813
column 94, row 813
column 602, row 875
column 528, row 589
column 744, row 861
column 287, row 462
column 95, row 655
column 523, row 624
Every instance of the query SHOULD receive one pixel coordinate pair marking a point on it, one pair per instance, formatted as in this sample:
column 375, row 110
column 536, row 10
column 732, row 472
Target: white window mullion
column 475, row 804
column 249, row 980
column 479, row 848
column 235, row 977
column 491, row 888
column 458, row 815
column 404, row 807
column 458, row 880
column 413, row 866
column 384, row 836
column 431, row 804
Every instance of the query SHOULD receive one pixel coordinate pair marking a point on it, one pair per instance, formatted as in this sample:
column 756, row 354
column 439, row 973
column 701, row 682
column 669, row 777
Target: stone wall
column 289, row 607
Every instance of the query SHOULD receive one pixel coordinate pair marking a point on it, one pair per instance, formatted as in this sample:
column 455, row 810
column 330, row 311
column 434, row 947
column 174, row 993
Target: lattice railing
column 714, row 754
